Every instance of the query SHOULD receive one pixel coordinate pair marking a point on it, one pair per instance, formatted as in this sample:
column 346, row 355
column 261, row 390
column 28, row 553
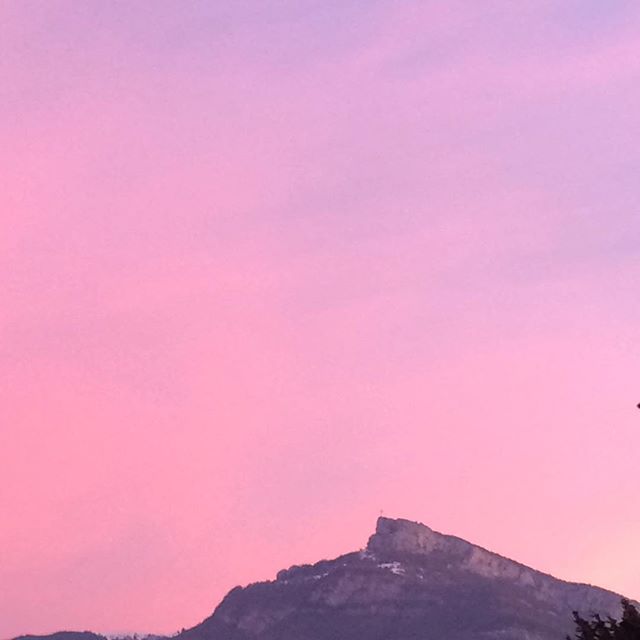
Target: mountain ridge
column 409, row 582
column 429, row 585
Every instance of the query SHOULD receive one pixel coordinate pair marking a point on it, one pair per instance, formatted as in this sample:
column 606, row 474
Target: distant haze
column 267, row 268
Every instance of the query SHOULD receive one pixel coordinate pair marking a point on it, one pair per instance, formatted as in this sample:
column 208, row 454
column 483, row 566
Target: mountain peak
column 395, row 539
column 413, row 543
column 404, row 536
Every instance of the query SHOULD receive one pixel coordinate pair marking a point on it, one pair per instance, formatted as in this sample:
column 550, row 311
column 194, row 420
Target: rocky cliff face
column 409, row 583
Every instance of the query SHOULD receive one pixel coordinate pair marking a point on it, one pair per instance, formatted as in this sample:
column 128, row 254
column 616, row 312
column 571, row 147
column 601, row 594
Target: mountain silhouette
column 409, row 583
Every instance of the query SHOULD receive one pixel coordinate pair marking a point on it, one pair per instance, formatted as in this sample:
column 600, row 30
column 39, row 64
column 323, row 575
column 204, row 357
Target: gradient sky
column 269, row 267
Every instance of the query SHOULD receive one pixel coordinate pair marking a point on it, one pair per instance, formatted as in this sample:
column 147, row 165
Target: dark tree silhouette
column 627, row 628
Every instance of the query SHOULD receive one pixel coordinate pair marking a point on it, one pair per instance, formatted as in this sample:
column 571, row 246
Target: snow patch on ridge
column 394, row 567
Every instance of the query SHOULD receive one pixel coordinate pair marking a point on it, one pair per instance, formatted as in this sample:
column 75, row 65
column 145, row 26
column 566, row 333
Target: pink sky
column 267, row 268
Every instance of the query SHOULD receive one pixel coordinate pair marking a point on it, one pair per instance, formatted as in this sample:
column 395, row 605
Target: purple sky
column 267, row 268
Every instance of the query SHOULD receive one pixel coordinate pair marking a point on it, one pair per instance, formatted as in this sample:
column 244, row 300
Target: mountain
column 66, row 635
column 409, row 583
